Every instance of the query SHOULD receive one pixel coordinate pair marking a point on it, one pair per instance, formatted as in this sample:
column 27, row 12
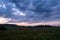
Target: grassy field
column 30, row 34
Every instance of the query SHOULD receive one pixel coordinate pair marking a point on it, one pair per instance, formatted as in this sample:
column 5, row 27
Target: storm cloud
column 30, row 10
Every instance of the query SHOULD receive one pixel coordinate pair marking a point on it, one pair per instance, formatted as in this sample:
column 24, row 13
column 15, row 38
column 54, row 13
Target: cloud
column 53, row 23
column 4, row 20
column 18, row 12
column 30, row 10
column 2, row 6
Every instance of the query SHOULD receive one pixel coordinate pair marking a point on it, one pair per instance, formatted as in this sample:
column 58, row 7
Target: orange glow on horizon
column 21, row 24
column 53, row 23
column 6, row 21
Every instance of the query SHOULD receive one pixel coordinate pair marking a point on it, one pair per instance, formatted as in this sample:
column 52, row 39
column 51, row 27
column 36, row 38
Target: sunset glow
column 30, row 12
column 4, row 20
column 53, row 23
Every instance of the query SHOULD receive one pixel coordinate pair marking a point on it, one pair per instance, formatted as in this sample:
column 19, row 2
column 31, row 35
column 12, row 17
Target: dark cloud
column 30, row 10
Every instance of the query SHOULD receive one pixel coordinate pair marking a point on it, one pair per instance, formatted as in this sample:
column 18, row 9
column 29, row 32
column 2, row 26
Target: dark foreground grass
column 30, row 34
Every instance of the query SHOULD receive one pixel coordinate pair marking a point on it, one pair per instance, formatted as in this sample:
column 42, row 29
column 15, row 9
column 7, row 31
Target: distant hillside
column 13, row 25
column 43, row 26
column 10, row 25
column 7, row 25
column 4, row 26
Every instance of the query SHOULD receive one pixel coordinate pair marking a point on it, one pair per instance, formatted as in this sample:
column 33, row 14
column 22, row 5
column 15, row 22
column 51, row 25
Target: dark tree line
column 44, row 26
column 4, row 26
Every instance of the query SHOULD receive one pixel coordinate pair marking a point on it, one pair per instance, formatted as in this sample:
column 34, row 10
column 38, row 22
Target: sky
column 30, row 12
